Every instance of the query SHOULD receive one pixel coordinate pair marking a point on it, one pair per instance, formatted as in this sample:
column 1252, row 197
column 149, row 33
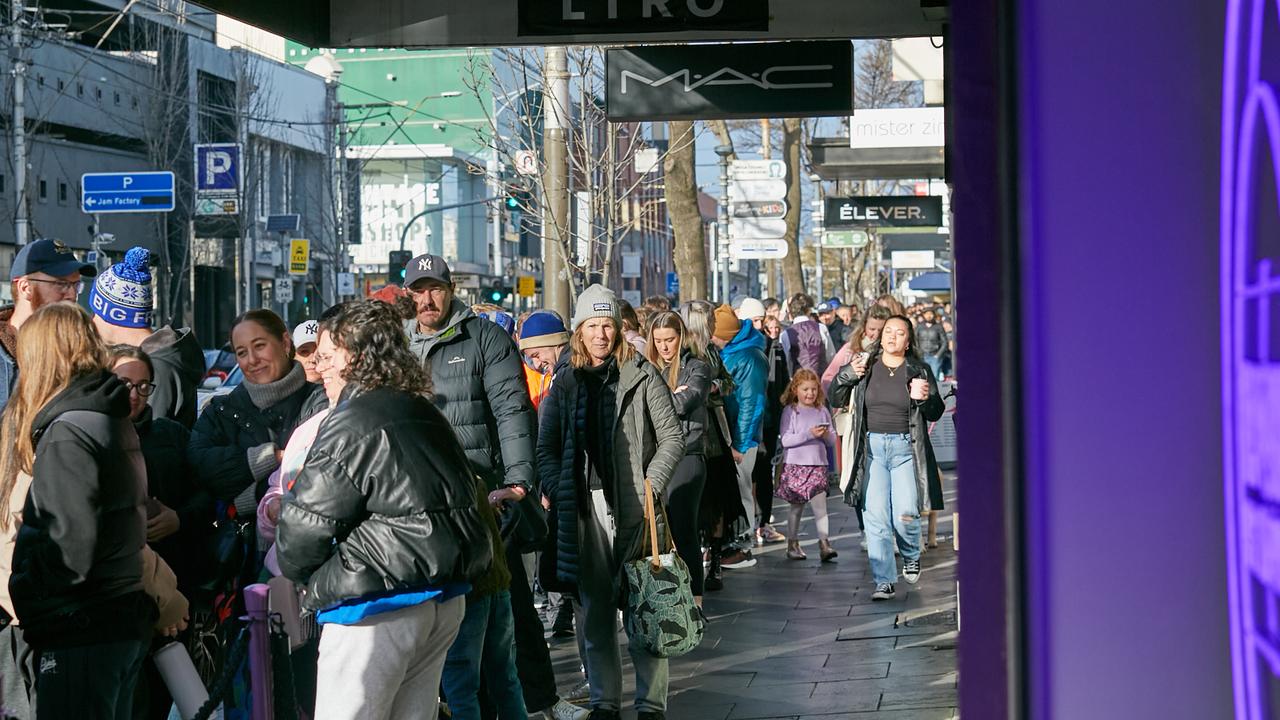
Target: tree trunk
column 682, row 205
column 792, row 275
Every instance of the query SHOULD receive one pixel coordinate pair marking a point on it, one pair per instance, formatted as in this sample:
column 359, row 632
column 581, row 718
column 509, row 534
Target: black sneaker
column 911, row 571
column 563, row 626
column 602, row 714
column 714, row 579
column 651, row 715
column 738, row 560
column 884, row 591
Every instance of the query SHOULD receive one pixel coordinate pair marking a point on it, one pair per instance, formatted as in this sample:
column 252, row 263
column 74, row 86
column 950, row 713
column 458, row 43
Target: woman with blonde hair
column 607, row 425
column 689, row 378
column 77, row 564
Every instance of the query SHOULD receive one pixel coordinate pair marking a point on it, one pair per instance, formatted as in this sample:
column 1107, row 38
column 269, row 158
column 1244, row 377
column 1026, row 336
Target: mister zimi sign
column 743, row 80
column 545, row 18
column 886, row 211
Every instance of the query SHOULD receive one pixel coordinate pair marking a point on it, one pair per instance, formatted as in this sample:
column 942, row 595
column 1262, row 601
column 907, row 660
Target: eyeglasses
column 62, row 285
column 144, row 388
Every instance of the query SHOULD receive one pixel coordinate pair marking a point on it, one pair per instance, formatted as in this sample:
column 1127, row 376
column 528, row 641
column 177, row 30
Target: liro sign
column 750, row 80
column 887, row 211
column 577, row 17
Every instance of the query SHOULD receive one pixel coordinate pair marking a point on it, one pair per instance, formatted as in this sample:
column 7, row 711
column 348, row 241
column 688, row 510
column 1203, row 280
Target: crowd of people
column 421, row 470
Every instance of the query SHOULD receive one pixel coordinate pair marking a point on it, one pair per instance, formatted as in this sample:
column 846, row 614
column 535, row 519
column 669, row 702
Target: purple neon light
column 1251, row 455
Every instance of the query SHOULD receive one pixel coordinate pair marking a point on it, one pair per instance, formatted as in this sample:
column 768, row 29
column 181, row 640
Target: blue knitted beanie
column 122, row 295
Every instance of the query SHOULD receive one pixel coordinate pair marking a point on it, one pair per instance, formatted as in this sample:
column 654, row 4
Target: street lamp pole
column 724, row 151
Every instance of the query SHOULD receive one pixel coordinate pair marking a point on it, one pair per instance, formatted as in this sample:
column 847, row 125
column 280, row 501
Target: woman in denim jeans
column 889, row 469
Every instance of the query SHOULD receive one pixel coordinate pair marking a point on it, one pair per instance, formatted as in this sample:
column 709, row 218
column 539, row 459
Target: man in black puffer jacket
column 477, row 377
column 381, row 526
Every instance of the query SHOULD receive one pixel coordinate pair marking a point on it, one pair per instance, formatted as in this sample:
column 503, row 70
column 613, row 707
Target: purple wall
column 1118, row 146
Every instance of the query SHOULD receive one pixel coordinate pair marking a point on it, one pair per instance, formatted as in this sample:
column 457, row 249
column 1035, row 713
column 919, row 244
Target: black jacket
column 231, row 424
column 779, row 378
column 931, row 339
column 928, row 479
column 172, row 481
column 691, row 403
column 179, row 366
column 385, row 502
column 77, row 562
column 478, row 383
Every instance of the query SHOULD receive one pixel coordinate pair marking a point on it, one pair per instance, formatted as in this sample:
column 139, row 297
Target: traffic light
column 513, row 197
column 396, row 262
column 496, row 294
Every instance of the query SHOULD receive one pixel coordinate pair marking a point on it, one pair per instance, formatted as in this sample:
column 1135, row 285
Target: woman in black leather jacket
column 888, row 467
column 382, row 525
column 689, row 378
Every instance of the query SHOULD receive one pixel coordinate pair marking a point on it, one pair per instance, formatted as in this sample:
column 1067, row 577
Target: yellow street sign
column 299, row 256
column 525, row 286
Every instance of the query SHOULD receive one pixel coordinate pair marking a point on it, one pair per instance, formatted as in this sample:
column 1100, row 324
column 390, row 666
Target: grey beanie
column 596, row 301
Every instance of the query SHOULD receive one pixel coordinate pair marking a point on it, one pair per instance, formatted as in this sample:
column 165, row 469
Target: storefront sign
column 898, row 128
column 891, row 211
column 685, row 82
column 577, row 17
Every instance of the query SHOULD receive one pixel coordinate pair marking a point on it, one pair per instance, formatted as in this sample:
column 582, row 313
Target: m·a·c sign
column 592, row 17
column 745, row 80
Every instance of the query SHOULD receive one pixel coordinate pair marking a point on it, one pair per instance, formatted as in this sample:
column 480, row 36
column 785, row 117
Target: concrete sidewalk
column 799, row 639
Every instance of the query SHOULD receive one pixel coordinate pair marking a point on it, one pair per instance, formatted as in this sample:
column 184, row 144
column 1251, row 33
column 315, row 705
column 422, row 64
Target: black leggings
column 684, row 497
column 762, row 476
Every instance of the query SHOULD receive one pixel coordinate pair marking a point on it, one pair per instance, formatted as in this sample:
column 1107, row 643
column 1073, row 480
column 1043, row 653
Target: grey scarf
column 268, row 394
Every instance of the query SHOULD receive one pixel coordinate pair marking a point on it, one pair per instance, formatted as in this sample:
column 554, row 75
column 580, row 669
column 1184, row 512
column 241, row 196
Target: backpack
column 806, row 347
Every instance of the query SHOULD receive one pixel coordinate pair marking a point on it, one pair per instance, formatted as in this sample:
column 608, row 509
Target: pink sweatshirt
column 291, row 461
column 802, row 448
column 842, row 358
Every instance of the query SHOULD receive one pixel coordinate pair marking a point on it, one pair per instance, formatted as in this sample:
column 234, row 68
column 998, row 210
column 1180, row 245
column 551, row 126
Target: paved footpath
column 799, row 640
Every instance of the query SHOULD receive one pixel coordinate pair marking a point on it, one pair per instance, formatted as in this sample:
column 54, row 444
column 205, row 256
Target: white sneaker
column 563, row 710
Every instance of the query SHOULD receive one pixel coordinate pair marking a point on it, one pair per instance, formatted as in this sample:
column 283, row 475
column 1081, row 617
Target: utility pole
column 724, row 151
column 16, row 39
column 817, row 247
column 555, row 271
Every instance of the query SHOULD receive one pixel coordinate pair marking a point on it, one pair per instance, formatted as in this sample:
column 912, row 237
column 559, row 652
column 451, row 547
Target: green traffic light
column 513, row 203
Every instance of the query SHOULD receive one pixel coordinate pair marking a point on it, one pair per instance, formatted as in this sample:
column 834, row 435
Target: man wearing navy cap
column 44, row 272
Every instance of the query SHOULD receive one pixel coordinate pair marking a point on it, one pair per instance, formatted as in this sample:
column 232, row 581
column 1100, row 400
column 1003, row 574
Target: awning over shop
column 833, row 159
column 931, row 282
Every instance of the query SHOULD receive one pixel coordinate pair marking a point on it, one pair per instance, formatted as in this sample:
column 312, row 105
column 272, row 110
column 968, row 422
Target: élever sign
column 754, row 80
column 573, row 17
column 887, row 211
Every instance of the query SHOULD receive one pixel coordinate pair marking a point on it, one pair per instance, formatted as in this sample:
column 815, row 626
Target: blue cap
column 825, row 307
column 834, row 302
column 51, row 257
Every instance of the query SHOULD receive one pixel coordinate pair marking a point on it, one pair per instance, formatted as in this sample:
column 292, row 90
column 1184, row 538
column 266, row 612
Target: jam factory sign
column 1250, row 282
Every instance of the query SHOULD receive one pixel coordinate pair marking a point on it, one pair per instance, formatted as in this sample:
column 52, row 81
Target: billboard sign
column 754, row 80
column 629, row 17
column 890, row 211
column 898, row 128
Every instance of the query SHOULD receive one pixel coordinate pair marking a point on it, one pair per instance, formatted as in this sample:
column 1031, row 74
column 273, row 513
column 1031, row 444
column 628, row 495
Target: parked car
column 215, row 385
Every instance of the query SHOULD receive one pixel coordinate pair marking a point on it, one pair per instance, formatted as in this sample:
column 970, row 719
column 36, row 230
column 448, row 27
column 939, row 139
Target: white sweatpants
column 386, row 667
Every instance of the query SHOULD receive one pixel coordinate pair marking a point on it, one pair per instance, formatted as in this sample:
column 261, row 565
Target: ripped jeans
column 890, row 503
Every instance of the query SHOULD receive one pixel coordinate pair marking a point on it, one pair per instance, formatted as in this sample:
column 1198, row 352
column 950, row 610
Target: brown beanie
column 727, row 323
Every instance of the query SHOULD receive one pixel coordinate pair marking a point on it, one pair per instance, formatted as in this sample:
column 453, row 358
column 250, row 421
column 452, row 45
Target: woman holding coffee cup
column 888, row 468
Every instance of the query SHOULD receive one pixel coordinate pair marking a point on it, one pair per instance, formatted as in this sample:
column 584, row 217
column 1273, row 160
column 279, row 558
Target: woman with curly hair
column 383, row 526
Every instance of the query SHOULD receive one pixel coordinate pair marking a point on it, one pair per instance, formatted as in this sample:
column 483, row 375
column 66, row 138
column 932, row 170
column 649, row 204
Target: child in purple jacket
column 808, row 440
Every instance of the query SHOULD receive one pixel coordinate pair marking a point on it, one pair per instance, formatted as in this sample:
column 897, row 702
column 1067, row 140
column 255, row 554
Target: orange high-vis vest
column 539, row 384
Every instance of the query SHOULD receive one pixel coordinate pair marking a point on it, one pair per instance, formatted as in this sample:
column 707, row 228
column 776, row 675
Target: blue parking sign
column 217, row 169
column 673, row 284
